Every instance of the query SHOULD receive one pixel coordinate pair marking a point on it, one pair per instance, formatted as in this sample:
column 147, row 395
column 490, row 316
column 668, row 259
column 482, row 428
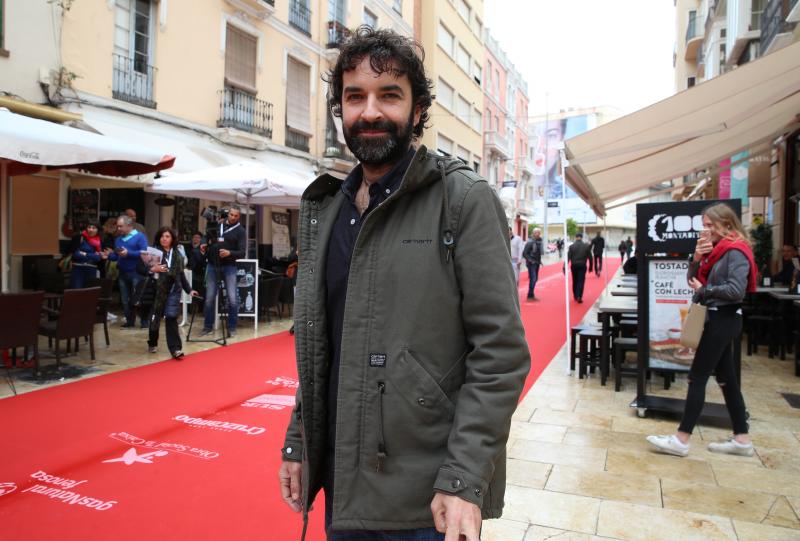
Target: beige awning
column 744, row 109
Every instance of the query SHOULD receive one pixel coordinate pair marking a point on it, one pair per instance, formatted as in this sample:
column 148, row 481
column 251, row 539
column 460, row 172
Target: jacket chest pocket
column 408, row 413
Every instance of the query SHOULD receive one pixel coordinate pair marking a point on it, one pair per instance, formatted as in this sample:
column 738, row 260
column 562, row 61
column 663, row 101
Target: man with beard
column 410, row 350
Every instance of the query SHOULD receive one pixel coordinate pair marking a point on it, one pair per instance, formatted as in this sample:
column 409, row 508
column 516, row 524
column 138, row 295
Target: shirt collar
column 130, row 235
column 390, row 181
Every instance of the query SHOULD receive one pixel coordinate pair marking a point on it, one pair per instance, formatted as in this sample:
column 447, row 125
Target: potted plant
column 762, row 250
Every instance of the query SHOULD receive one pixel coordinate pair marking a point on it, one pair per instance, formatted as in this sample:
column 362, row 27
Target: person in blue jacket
column 87, row 257
column 128, row 247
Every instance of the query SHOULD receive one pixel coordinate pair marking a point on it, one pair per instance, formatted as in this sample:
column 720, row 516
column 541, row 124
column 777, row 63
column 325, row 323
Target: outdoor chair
column 269, row 293
column 106, row 285
column 48, row 276
column 621, row 346
column 19, row 324
column 75, row 318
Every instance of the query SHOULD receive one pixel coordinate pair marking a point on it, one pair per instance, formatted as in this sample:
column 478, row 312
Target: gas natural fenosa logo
column 131, row 457
column 224, row 426
column 172, row 447
column 7, row 488
column 270, row 402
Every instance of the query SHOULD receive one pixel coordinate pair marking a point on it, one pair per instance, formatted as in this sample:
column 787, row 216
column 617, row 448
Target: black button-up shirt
column 340, row 250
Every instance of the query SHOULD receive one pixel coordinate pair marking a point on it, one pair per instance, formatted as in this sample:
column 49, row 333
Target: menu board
column 247, row 287
column 670, row 297
column 84, row 208
column 281, row 244
column 187, row 211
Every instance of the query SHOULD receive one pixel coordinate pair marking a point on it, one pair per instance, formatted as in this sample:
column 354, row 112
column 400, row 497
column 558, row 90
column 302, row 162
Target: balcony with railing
column 775, row 29
column 133, row 81
column 333, row 147
column 243, row 111
column 794, row 11
column 694, row 36
column 337, row 33
column 300, row 16
column 297, row 140
column 497, row 143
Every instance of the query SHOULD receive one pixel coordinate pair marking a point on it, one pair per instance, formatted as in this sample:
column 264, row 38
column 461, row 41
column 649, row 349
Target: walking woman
column 170, row 280
column 721, row 271
column 87, row 257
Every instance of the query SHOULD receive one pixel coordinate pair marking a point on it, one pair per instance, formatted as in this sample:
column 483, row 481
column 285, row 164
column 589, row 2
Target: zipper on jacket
column 381, row 457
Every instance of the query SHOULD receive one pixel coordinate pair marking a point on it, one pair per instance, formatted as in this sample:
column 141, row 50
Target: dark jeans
column 533, row 275
column 127, row 285
column 171, row 326
column 80, row 275
column 715, row 355
column 578, row 279
column 229, row 278
column 598, row 264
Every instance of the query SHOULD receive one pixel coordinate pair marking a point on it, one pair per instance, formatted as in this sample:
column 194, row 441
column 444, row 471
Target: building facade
column 451, row 31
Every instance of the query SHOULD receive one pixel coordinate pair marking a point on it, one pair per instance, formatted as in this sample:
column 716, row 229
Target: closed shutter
column 240, row 59
column 298, row 97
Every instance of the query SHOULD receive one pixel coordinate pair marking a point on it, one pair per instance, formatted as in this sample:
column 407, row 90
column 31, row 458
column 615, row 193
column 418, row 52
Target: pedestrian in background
column 533, row 260
column 128, row 247
column 517, row 245
column 579, row 254
column 598, row 247
column 87, row 257
column 722, row 270
column 623, row 249
column 169, row 281
column 628, row 247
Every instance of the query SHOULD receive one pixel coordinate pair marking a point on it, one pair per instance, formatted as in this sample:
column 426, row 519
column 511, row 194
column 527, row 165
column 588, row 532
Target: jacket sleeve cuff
column 465, row 486
column 293, row 451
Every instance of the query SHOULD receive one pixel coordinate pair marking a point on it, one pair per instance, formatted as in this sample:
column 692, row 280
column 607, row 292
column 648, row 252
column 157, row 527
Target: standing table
column 609, row 306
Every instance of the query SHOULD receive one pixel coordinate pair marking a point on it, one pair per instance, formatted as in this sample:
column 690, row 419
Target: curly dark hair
column 388, row 51
column 165, row 229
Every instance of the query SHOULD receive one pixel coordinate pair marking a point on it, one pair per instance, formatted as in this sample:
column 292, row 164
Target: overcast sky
column 586, row 53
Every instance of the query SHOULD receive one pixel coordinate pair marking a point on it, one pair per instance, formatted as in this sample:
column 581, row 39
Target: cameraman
column 226, row 248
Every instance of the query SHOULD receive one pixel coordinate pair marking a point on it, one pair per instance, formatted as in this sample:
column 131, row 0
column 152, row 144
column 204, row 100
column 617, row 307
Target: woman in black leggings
column 722, row 270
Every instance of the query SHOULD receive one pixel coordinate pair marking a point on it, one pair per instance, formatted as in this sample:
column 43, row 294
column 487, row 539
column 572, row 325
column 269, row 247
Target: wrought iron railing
column 243, row 111
column 773, row 22
column 333, row 147
column 337, row 33
column 296, row 140
column 300, row 16
column 133, row 81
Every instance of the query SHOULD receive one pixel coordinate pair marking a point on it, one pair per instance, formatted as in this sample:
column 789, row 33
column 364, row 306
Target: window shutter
column 298, row 97
column 240, row 59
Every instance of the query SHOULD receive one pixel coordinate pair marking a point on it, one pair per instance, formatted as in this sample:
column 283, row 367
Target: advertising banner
column 281, row 243
column 739, row 178
column 673, row 228
column 725, row 179
column 247, row 286
column 670, row 297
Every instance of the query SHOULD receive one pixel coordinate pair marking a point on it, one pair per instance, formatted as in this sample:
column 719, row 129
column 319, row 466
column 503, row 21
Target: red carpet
column 183, row 450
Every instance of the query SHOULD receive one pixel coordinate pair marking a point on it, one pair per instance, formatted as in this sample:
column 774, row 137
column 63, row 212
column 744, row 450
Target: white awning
column 744, row 109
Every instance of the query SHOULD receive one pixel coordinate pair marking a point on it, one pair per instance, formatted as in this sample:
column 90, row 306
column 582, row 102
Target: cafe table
column 608, row 306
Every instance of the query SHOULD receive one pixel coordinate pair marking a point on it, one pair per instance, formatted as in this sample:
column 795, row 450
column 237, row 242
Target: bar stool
column 628, row 327
column 590, row 353
column 769, row 326
column 573, row 351
column 621, row 346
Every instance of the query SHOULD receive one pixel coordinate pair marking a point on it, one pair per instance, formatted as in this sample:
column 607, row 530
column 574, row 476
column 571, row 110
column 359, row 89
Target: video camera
column 213, row 218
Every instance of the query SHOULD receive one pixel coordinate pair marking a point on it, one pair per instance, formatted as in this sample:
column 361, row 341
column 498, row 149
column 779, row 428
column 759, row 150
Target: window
column 463, row 9
column 475, row 120
column 496, row 82
column 444, row 145
column 444, row 95
column 446, row 40
column 397, row 5
column 463, row 109
column 476, row 166
column 755, row 14
column 463, row 58
column 370, row 19
column 336, row 10
column 690, row 82
column 477, row 72
column 298, row 99
column 477, row 27
column 133, row 50
column 240, row 58
column 462, row 154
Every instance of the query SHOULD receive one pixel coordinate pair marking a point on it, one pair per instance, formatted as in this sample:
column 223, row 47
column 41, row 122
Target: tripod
column 222, row 300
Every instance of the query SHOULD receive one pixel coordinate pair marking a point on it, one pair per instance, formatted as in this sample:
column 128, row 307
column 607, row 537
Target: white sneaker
column 731, row 447
column 670, row 445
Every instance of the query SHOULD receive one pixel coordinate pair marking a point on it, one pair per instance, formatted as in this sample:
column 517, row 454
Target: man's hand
column 224, row 253
column 123, row 252
column 458, row 519
column 290, row 477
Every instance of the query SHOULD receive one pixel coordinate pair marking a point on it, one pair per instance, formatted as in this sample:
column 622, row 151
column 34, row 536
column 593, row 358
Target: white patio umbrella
column 247, row 182
column 28, row 145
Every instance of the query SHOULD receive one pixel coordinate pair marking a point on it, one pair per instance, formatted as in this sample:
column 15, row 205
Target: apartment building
column 505, row 132
column 721, row 35
column 451, row 31
column 211, row 82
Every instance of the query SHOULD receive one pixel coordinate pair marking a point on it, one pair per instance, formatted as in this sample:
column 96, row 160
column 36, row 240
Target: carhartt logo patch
column 417, row 242
column 377, row 359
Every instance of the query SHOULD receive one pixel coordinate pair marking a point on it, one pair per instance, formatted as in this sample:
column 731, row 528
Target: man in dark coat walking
column 532, row 254
column 578, row 254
